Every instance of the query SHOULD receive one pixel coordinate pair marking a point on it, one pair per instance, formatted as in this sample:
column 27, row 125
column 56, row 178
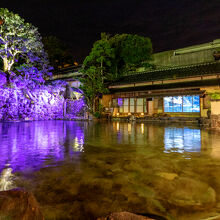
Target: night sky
column 170, row 24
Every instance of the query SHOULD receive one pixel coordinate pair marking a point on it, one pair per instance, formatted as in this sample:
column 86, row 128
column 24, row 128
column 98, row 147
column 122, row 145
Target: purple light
column 32, row 145
column 120, row 102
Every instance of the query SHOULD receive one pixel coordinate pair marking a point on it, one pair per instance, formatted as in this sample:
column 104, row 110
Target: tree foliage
column 109, row 59
column 57, row 51
column 135, row 49
column 20, row 43
column 100, row 58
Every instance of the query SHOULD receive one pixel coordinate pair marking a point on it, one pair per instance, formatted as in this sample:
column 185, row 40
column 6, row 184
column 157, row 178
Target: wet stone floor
column 81, row 170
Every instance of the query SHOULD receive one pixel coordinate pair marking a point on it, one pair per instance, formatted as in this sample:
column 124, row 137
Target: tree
column 92, row 86
column 20, row 43
column 130, row 52
column 109, row 59
column 135, row 49
column 57, row 51
column 96, row 68
column 100, row 57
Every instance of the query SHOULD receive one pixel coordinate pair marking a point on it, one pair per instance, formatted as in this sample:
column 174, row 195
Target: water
column 81, row 170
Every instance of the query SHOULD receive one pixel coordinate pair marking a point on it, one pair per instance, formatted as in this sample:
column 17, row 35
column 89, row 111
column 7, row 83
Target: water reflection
column 122, row 165
column 31, row 145
column 172, row 139
column 182, row 139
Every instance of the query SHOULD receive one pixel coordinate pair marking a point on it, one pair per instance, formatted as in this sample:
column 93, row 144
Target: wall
column 215, row 113
column 215, row 107
column 26, row 104
column 196, row 54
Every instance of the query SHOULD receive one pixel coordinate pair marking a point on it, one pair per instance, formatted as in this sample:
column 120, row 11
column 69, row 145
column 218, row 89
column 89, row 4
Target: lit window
column 140, row 104
column 132, row 105
column 126, row 105
column 182, row 104
column 120, row 104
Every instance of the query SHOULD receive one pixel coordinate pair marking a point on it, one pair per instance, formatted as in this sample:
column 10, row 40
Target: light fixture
column 142, row 114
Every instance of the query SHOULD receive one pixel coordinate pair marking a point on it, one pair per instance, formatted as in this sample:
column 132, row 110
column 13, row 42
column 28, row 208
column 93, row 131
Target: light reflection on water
column 27, row 145
column 33, row 145
column 104, row 167
column 182, row 139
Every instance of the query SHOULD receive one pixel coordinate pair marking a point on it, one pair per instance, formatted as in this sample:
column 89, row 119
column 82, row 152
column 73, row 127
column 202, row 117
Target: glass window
column 168, row 104
column 114, row 102
column 126, row 101
column 182, row 104
column 140, row 104
column 177, row 104
column 196, row 103
column 139, row 101
column 132, row 105
column 120, row 102
column 187, row 103
column 126, row 105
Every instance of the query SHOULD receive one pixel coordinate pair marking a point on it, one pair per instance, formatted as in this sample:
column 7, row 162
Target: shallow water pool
column 84, row 170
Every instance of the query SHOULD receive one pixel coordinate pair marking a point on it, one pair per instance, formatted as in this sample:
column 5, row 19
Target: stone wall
column 75, row 109
column 43, row 103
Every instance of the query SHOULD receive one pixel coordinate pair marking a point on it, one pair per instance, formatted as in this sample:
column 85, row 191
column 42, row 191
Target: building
column 182, row 83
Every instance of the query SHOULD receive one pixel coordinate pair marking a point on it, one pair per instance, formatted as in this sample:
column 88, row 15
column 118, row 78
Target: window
column 126, row 105
column 132, row 105
column 182, row 104
column 120, row 104
column 140, row 104
column 114, row 103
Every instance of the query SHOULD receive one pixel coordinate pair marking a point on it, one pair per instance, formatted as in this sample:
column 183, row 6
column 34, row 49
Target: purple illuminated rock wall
column 75, row 109
column 43, row 103
column 27, row 99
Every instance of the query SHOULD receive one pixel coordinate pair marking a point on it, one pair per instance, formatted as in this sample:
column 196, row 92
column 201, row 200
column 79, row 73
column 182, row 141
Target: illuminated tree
column 20, row 43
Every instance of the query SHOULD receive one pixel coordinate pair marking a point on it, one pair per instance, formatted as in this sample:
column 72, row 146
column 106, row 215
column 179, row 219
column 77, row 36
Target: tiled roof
column 171, row 73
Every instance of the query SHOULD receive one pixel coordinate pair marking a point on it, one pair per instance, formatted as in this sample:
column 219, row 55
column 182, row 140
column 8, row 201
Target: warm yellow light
column 129, row 113
column 142, row 114
column 129, row 128
column 117, row 126
column 117, row 114
column 142, row 128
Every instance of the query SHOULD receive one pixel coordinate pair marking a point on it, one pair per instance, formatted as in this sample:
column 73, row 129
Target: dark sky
column 170, row 24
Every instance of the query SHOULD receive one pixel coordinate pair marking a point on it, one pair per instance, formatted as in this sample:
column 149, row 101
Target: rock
column 124, row 216
column 3, row 79
column 191, row 193
column 19, row 204
column 6, row 179
column 168, row 176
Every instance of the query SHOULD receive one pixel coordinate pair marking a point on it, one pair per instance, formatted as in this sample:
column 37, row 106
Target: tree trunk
column 5, row 64
column 6, row 69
